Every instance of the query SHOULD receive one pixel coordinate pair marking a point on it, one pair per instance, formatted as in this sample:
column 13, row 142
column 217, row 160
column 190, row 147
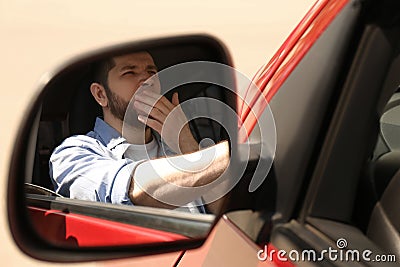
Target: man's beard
column 117, row 105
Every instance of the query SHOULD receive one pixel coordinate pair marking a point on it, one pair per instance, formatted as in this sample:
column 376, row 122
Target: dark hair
column 101, row 69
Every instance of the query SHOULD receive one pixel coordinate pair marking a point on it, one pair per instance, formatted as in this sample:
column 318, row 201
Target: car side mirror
column 44, row 221
column 48, row 216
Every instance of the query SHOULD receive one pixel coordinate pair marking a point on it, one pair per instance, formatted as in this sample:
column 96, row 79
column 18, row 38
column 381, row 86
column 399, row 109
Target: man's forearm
column 166, row 178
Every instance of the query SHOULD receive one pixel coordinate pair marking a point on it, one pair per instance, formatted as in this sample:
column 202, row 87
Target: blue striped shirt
column 93, row 166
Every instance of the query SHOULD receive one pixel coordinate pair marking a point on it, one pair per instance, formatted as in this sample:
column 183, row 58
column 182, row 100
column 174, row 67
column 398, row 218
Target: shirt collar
column 108, row 135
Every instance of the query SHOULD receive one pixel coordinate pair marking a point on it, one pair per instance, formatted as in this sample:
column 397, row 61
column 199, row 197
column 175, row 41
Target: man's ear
column 99, row 94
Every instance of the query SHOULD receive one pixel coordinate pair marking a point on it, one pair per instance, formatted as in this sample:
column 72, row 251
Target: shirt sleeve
column 81, row 168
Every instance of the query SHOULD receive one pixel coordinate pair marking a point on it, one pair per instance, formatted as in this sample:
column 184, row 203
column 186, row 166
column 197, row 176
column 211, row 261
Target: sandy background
column 38, row 35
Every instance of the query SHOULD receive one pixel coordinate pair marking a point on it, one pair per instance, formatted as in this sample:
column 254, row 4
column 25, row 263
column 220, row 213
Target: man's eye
column 152, row 72
column 129, row 73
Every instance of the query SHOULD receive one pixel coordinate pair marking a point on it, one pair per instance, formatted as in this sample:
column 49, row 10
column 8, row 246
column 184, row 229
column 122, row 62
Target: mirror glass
column 120, row 113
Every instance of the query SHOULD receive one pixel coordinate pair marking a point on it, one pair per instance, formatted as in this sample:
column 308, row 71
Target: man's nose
column 146, row 80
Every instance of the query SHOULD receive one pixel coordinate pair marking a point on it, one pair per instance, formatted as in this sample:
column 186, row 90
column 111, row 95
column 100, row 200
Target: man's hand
column 153, row 110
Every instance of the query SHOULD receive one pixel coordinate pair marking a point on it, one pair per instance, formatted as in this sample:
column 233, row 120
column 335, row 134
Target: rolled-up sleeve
column 81, row 168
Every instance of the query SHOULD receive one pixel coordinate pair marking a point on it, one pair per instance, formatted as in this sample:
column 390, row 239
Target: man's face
column 125, row 78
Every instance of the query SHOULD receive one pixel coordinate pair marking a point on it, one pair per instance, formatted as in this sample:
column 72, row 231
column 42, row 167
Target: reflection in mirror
column 118, row 158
